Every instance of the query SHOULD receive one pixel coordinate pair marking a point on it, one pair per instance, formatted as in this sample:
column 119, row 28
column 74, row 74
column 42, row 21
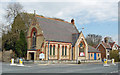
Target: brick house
column 56, row 39
column 113, row 46
column 105, row 47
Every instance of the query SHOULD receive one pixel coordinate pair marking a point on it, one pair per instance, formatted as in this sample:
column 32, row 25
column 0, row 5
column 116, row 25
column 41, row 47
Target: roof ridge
column 91, row 46
column 52, row 19
column 58, row 20
column 76, row 28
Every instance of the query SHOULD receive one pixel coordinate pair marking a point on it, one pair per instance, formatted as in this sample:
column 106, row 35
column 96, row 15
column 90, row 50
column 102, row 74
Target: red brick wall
column 102, row 50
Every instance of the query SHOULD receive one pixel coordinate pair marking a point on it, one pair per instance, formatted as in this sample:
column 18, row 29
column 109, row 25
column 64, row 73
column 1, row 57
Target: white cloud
column 86, row 11
column 83, row 1
column 95, row 10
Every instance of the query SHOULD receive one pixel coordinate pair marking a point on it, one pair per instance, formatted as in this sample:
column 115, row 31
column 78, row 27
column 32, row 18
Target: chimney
column 106, row 39
column 73, row 21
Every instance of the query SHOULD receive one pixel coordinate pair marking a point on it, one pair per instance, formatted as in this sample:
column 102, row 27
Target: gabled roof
column 56, row 30
column 92, row 49
column 106, row 45
column 111, row 44
column 118, row 46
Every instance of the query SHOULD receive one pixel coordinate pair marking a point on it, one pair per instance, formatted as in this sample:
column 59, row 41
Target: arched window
column 65, row 50
column 34, row 40
column 54, row 50
column 81, row 48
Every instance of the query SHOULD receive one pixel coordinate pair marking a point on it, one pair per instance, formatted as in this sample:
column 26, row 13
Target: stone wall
column 6, row 55
column 64, row 61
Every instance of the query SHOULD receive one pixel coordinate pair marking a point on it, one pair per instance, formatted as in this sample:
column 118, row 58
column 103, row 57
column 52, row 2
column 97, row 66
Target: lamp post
column 81, row 28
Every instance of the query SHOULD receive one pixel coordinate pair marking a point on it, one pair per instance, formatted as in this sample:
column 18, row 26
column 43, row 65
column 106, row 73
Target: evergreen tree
column 21, row 45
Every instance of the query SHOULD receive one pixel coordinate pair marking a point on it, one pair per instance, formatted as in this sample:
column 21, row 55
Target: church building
column 56, row 40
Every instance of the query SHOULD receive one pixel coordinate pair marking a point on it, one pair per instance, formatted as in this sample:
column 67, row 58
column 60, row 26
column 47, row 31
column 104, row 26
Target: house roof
column 75, row 36
column 106, row 45
column 112, row 43
column 56, row 30
column 92, row 49
column 118, row 46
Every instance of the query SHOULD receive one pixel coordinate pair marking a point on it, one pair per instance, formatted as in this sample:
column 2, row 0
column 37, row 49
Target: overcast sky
column 96, row 16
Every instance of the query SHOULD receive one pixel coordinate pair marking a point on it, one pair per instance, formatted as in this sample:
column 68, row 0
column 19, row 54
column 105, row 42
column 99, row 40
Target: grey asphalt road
column 59, row 68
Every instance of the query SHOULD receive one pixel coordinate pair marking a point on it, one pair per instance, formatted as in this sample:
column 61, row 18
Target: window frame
column 53, row 49
column 34, row 38
column 62, row 50
column 50, row 50
column 65, row 50
column 81, row 49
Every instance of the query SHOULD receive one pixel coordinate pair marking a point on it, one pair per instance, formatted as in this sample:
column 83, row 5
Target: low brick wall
column 66, row 61
column 54, row 62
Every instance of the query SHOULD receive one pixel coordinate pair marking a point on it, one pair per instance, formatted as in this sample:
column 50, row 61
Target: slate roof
column 75, row 36
column 56, row 30
column 92, row 49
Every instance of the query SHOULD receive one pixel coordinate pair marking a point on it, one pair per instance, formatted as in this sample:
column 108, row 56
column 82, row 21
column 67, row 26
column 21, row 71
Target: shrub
column 114, row 54
column 79, row 62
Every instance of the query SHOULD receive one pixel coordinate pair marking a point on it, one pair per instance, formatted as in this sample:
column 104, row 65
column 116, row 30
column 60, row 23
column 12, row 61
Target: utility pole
column 80, row 28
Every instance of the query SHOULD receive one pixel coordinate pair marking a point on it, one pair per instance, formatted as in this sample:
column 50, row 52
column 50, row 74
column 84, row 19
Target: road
column 59, row 68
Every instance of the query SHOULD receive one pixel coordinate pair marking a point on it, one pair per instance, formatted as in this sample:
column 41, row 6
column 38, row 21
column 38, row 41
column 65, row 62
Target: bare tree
column 13, row 9
column 93, row 39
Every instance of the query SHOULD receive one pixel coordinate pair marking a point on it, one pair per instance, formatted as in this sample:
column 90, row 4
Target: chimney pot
column 73, row 21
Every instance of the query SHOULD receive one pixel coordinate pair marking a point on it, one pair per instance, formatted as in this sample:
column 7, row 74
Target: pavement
column 59, row 68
